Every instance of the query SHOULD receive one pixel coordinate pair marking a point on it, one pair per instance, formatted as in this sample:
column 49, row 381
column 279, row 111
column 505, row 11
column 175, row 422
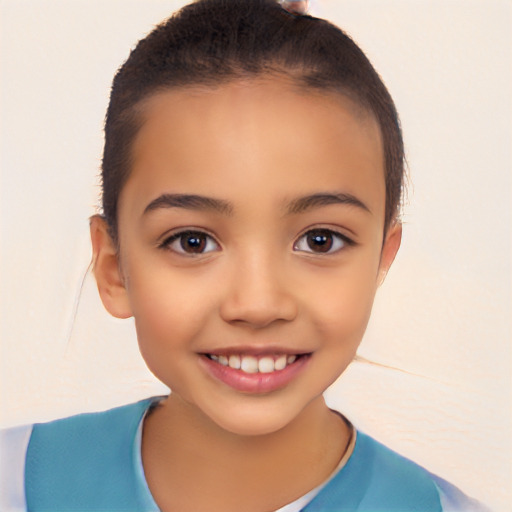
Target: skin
column 296, row 6
column 257, row 146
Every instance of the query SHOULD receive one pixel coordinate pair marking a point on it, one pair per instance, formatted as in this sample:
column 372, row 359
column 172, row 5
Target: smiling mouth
column 251, row 364
column 255, row 373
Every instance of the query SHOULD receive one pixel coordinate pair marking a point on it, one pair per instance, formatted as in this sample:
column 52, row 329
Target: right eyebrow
column 189, row 202
column 306, row 203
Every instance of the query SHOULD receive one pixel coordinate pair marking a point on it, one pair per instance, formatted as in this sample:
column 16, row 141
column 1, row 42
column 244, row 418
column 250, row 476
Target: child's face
column 281, row 249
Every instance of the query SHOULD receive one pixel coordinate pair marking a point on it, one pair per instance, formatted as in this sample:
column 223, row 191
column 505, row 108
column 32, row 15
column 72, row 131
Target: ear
column 107, row 271
column 389, row 249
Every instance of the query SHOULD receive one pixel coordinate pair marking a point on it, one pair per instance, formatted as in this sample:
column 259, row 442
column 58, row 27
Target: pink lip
column 254, row 382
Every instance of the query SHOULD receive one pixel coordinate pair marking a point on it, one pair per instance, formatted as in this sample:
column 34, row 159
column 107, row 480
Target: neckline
column 137, row 454
column 295, row 506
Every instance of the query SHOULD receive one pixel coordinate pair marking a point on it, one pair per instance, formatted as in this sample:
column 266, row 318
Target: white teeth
column 280, row 363
column 249, row 364
column 234, row 362
column 253, row 364
column 266, row 365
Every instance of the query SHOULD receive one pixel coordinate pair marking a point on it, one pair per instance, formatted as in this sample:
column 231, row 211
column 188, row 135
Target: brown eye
column 321, row 241
column 191, row 242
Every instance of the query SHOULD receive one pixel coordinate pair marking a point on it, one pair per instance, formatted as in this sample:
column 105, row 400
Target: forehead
column 260, row 136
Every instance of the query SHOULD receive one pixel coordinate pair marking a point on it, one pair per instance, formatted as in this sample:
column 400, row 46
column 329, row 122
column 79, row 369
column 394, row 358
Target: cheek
column 344, row 303
column 167, row 325
column 168, row 312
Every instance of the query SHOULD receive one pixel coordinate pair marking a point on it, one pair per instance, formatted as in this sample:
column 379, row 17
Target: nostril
column 258, row 314
column 258, row 293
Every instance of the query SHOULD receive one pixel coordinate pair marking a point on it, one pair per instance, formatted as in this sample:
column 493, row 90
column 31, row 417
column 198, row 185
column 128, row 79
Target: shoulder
column 413, row 482
column 72, row 458
column 376, row 478
column 90, row 424
column 454, row 500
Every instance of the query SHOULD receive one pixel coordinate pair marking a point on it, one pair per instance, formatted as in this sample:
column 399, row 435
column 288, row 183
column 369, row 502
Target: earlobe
column 389, row 249
column 105, row 261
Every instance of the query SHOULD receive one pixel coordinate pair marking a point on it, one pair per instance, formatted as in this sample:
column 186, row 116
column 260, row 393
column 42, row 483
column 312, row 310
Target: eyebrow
column 294, row 207
column 190, row 202
column 306, row 203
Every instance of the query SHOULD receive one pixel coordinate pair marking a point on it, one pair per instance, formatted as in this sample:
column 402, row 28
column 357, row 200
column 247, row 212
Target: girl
column 252, row 175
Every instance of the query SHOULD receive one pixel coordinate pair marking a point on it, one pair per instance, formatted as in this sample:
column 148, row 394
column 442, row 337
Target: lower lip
column 255, row 382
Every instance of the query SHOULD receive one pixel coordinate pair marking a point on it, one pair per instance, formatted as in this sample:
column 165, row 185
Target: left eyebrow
column 189, row 202
column 306, row 203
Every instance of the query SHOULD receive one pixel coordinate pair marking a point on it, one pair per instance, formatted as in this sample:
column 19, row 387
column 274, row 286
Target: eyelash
column 338, row 240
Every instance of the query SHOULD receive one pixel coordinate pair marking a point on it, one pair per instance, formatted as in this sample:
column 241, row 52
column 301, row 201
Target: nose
column 258, row 294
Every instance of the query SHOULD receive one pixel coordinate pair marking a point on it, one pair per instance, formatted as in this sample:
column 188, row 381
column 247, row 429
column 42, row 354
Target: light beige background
column 443, row 316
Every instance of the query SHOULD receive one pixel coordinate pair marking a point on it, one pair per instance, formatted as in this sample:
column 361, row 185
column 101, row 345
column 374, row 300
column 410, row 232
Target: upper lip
column 257, row 350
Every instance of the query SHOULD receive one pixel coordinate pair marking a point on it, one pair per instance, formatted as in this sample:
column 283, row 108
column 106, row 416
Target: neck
column 183, row 446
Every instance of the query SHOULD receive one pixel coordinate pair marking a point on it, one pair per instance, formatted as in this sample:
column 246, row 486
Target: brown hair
column 211, row 42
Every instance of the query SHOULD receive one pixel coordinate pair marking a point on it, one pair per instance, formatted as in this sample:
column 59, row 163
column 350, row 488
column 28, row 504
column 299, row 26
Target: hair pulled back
column 212, row 42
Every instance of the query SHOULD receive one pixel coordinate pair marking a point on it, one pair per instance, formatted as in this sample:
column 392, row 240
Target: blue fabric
column 87, row 463
column 376, row 479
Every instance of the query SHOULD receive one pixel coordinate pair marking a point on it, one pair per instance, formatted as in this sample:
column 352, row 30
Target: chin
column 252, row 427
column 252, row 419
